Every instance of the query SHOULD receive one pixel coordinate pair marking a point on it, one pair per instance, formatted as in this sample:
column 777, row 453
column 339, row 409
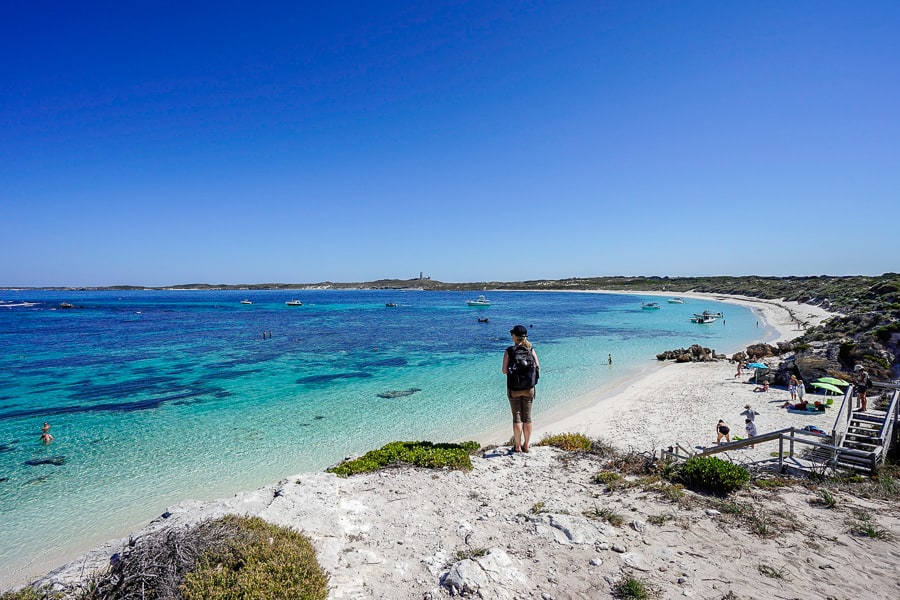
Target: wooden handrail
column 791, row 435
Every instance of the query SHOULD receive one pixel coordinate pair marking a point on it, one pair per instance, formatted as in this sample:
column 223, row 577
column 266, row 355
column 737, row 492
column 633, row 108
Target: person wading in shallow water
column 520, row 400
column 46, row 438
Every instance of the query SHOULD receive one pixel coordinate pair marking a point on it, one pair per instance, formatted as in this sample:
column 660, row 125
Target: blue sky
column 158, row 143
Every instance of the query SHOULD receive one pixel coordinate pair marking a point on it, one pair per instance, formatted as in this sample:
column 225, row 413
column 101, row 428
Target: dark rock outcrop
column 695, row 353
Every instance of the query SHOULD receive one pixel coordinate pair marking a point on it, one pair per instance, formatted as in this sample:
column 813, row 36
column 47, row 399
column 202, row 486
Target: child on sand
column 751, row 429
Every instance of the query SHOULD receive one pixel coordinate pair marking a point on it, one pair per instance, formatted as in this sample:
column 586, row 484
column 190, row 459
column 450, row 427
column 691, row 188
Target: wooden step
column 865, row 436
column 858, row 429
column 861, row 446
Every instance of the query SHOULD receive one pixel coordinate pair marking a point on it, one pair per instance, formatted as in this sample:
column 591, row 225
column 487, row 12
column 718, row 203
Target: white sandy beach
column 400, row 533
column 681, row 403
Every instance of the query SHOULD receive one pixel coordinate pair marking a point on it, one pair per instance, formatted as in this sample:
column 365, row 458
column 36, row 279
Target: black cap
column 519, row 331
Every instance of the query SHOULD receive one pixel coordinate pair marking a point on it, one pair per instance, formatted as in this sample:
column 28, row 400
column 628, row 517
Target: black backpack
column 523, row 373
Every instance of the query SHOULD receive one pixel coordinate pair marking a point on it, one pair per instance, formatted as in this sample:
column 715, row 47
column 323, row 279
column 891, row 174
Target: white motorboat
column 702, row 319
column 706, row 317
column 246, row 302
column 294, row 303
column 650, row 306
column 479, row 301
column 676, row 300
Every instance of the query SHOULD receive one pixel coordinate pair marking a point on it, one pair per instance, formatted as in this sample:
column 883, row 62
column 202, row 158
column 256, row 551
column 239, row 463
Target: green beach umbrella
column 828, row 387
column 833, row 381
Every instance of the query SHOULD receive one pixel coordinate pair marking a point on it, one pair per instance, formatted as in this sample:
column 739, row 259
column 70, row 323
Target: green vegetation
column 827, row 499
column 28, row 593
column 571, row 442
column 631, row 588
column 260, row 561
column 470, row 553
column 230, row 558
column 661, row 519
column 865, row 527
column 772, row 572
column 771, row 483
column 605, row 514
column 712, row 475
column 607, row 477
column 420, row 454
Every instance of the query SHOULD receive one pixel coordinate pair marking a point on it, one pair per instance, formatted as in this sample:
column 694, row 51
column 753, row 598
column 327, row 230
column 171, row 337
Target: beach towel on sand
column 814, row 429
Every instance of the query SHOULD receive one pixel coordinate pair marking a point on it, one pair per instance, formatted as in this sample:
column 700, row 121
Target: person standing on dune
column 522, row 369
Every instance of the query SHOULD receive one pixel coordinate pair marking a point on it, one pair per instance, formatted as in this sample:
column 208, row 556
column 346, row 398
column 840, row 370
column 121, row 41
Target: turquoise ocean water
column 156, row 397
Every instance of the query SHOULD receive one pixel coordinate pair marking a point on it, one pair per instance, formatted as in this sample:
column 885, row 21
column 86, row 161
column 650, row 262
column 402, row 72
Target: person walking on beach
column 749, row 413
column 522, row 369
column 610, row 360
column 740, row 369
column 723, row 431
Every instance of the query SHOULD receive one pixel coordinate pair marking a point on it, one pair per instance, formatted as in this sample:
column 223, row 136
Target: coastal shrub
column 420, row 454
column 606, row 477
column 605, row 514
column 232, row 557
column 571, row 442
column 630, row 588
column 261, row 561
column 712, row 475
column 29, row 593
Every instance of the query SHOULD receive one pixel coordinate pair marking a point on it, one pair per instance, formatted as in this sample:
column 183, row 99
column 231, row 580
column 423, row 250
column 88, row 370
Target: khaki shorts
column 520, row 404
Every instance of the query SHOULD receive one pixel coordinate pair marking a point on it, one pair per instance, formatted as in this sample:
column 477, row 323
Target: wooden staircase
column 863, row 434
column 862, row 438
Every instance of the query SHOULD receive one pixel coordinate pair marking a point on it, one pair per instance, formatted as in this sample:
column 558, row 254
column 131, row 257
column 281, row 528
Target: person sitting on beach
column 762, row 388
column 797, row 406
column 722, row 431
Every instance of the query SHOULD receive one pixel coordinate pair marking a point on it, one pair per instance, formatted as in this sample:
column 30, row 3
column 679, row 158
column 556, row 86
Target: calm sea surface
column 156, row 397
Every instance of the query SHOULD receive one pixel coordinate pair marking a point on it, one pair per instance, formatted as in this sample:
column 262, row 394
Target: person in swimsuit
column 46, row 438
column 722, row 431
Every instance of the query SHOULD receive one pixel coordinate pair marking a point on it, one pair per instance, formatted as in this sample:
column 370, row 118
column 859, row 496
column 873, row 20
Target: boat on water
column 479, row 301
column 650, row 306
column 676, row 300
column 294, row 303
column 391, row 304
column 706, row 317
column 66, row 305
column 702, row 319
column 246, row 302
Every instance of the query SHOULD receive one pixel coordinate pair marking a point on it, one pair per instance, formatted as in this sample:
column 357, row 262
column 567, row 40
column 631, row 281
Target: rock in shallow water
column 52, row 460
